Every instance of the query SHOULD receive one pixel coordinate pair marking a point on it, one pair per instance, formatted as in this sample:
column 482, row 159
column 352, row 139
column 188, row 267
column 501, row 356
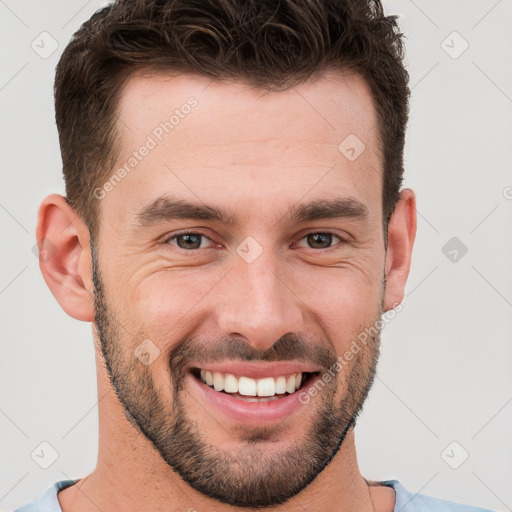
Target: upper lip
column 257, row 370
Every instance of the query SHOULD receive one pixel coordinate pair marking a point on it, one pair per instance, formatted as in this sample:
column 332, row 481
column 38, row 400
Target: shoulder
column 47, row 501
column 408, row 502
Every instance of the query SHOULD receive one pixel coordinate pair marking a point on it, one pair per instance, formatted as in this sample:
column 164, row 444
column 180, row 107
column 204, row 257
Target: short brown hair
column 271, row 45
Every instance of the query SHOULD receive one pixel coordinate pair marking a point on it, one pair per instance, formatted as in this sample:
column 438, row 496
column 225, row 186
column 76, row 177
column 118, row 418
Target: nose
column 257, row 302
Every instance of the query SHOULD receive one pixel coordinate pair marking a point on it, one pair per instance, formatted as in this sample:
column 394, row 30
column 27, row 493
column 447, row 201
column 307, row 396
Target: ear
column 401, row 235
column 65, row 257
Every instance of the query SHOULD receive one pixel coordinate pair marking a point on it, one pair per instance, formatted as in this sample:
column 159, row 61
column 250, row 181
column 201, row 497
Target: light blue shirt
column 405, row 500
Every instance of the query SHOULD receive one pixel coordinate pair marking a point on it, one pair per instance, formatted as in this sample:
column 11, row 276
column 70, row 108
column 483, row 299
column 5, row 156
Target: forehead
column 325, row 108
column 210, row 138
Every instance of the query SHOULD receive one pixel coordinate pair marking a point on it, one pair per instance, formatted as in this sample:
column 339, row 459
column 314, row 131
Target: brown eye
column 188, row 240
column 321, row 240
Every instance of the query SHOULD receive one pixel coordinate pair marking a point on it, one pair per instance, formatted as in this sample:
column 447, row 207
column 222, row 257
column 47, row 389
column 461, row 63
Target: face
column 275, row 268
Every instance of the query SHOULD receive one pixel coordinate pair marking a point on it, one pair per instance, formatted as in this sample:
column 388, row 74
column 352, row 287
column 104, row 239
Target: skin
column 255, row 154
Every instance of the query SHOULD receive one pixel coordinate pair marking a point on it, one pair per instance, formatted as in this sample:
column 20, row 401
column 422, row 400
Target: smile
column 242, row 404
column 253, row 390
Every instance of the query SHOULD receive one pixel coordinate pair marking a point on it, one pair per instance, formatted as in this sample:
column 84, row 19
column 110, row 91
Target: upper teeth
column 269, row 386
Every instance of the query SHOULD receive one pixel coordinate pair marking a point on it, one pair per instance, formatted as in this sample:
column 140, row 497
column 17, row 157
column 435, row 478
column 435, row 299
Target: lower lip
column 243, row 412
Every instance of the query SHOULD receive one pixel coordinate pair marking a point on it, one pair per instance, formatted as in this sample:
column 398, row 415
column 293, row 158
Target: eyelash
column 198, row 233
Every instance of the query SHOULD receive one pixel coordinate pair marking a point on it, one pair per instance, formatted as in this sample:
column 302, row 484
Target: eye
column 192, row 240
column 187, row 240
column 321, row 240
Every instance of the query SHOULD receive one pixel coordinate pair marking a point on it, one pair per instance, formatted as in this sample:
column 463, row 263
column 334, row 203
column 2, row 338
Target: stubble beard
column 254, row 476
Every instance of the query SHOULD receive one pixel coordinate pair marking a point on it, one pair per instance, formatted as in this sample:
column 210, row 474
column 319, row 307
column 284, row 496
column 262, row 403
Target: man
column 234, row 229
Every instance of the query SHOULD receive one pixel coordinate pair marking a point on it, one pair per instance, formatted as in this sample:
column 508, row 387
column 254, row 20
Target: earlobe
column 402, row 233
column 64, row 256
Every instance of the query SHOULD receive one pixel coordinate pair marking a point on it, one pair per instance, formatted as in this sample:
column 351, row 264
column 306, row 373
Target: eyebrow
column 167, row 208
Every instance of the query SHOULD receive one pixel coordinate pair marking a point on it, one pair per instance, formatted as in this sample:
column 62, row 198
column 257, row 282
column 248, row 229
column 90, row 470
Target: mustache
column 287, row 348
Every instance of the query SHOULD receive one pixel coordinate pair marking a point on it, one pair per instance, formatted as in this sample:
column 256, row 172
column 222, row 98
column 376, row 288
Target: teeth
column 230, row 383
column 280, row 387
column 267, row 387
column 247, row 386
column 290, row 384
column 218, row 381
column 254, row 399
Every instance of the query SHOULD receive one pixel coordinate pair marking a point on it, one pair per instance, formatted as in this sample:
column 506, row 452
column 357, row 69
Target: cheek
column 168, row 303
column 165, row 303
column 343, row 303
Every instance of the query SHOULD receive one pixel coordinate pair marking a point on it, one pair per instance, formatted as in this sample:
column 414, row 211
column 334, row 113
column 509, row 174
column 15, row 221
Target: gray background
column 446, row 368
